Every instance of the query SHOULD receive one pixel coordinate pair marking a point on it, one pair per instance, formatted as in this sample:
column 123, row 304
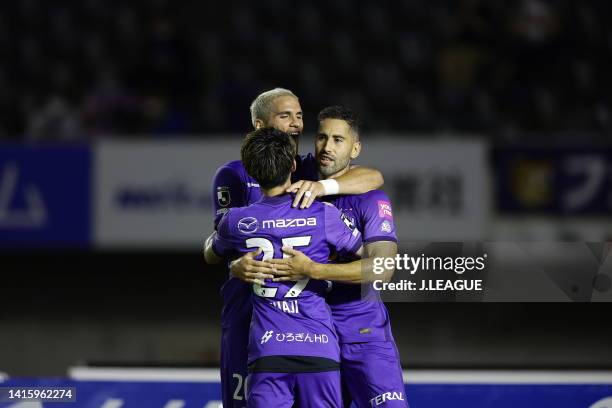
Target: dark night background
column 530, row 79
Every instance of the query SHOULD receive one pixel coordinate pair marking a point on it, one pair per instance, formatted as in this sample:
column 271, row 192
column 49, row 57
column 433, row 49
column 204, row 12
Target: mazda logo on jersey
column 248, row 225
column 223, row 196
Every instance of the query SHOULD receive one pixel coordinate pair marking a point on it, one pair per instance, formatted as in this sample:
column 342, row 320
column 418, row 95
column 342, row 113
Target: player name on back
column 291, row 306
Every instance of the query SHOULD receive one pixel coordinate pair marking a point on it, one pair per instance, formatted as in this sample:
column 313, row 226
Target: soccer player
column 293, row 349
column 371, row 371
column 233, row 187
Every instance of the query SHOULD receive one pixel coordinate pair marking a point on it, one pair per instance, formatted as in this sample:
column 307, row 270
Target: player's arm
column 341, row 236
column 357, row 180
column 228, row 192
column 380, row 245
column 365, row 270
column 378, row 229
column 220, row 245
column 372, row 267
column 209, row 253
column 250, row 270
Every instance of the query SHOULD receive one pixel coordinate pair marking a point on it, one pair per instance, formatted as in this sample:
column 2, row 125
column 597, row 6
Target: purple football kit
column 233, row 187
column 291, row 328
column 266, row 389
column 371, row 370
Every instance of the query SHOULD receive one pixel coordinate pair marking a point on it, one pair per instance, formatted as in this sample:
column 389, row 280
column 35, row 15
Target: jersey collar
column 279, row 199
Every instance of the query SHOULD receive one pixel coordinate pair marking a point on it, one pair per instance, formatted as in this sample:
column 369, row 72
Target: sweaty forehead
column 286, row 103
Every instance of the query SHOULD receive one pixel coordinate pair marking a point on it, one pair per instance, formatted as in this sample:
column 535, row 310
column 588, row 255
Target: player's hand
column 300, row 189
column 250, row 270
column 294, row 268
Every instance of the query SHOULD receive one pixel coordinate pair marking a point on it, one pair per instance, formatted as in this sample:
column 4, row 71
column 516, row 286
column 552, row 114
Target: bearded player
column 233, row 187
column 293, row 352
column 370, row 364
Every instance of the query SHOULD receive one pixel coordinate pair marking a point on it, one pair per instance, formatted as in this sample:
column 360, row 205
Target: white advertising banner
column 439, row 188
column 158, row 193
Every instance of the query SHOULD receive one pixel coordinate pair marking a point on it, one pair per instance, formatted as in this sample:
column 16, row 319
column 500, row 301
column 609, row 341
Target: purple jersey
column 233, row 187
column 372, row 375
column 360, row 319
column 287, row 390
column 289, row 318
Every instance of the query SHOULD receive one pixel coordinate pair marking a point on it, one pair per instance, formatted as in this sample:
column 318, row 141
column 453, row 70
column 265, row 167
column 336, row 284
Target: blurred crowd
column 81, row 70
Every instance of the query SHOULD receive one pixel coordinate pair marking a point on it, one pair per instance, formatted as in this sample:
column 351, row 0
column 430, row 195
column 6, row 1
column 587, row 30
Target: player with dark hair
column 293, row 348
column 233, row 187
column 371, row 371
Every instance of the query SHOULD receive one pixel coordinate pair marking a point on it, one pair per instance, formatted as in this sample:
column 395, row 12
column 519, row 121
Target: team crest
column 223, row 196
column 385, row 226
column 349, row 222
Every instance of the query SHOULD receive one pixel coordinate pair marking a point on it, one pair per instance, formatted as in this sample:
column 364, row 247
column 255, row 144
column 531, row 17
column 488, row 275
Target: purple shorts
column 300, row 390
column 234, row 355
column 372, row 375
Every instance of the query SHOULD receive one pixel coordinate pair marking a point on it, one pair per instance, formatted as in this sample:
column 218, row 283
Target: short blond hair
column 262, row 105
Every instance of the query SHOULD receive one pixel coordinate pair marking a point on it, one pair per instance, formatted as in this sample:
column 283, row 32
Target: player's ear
column 356, row 149
column 293, row 166
column 258, row 124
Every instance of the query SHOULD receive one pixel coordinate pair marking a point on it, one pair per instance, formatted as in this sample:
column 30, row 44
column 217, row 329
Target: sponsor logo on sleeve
column 248, row 225
column 223, row 196
column 384, row 209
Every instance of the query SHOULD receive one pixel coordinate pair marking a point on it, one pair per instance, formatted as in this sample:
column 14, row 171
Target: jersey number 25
column 268, row 253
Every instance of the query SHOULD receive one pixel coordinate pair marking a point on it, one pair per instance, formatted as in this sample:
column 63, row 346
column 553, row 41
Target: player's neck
column 276, row 191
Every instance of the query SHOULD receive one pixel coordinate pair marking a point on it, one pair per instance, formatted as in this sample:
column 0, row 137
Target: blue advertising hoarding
column 45, row 197
column 105, row 394
column 457, row 393
column 553, row 181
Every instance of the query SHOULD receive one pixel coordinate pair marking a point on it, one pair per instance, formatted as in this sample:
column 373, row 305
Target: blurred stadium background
column 491, row 121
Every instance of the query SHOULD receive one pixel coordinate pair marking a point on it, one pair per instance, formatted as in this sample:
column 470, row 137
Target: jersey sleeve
column 223, row 244
column 307, row 168
column 341, row 234
column 227, row 192
column 377, row 218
